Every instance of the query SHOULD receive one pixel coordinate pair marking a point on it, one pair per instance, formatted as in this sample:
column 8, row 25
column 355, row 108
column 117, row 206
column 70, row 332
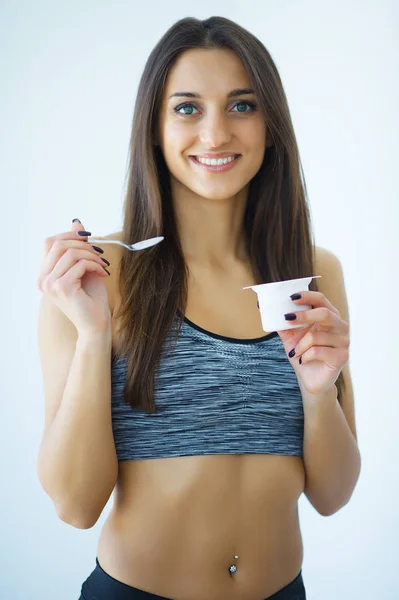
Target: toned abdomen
column 177, row 524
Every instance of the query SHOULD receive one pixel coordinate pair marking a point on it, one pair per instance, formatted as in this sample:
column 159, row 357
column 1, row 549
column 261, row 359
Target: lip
column 216, row 168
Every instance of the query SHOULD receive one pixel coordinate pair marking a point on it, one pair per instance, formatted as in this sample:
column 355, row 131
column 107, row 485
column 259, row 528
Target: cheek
column 255, row 135
column 176, row 139
column 176, row 132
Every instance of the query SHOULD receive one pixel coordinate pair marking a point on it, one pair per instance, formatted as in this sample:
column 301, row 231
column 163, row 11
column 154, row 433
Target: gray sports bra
column 216, row 395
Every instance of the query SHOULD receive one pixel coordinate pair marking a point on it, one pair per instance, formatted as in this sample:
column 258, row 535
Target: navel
column 233, row 567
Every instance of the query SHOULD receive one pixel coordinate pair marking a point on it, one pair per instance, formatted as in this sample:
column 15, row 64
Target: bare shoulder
column 113, row 253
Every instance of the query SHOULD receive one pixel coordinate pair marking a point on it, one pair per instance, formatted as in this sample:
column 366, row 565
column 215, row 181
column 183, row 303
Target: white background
column 69, row 75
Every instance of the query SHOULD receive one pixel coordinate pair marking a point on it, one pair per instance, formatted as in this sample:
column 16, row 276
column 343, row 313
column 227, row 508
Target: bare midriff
column 177, row 524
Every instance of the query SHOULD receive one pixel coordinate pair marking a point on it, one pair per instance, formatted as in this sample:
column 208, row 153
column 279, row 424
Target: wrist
column 95, row 338
column 330, row 396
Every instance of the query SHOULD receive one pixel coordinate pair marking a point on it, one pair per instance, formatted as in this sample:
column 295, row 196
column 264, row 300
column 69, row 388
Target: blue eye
column 184, row 106
column 190, row 106
column 241, row 103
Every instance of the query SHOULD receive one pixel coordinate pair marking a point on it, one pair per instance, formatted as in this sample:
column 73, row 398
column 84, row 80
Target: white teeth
column 215, row 161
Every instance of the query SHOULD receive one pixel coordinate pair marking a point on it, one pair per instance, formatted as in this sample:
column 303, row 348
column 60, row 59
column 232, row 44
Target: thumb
column 77, row 225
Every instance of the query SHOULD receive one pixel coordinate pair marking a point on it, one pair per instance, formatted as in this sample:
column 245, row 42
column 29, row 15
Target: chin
column 218, row 194
column 217, row 191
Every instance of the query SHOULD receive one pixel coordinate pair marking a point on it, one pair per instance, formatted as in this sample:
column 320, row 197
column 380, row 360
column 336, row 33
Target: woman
column 165, row 386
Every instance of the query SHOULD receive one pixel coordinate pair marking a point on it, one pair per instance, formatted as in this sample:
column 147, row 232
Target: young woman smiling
column 165, row 388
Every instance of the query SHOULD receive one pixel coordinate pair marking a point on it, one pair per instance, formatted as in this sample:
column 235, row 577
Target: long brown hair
column 153, row 284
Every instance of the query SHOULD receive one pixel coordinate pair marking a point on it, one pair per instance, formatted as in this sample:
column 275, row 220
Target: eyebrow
column 236, row 92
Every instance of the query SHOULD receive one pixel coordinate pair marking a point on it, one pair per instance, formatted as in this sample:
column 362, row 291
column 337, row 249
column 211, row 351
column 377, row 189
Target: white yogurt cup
column 274, row 302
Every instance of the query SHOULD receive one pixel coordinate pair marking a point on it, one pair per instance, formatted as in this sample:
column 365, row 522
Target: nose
column 215, row 131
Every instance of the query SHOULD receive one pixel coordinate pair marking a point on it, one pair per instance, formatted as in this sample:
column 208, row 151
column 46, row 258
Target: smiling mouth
column 215, row 162
column 213, row 165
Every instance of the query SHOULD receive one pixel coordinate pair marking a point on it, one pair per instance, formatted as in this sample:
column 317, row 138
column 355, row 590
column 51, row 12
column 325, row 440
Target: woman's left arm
column 330, row 451
column 331, row 454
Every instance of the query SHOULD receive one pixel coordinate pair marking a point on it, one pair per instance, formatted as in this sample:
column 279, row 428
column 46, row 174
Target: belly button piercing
column 233, row 568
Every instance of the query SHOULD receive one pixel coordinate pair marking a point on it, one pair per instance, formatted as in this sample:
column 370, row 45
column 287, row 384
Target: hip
column 101, row 586
column 175, row 559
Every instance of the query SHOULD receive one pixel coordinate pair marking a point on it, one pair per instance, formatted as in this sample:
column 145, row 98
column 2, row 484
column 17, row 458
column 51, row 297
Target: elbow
column 328, row 506
column 69, row 516
column 77, row 521
column 327, row 509
column 338, row 497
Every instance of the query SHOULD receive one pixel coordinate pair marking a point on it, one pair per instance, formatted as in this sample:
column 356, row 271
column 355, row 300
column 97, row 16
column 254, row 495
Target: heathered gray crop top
column 216, row 395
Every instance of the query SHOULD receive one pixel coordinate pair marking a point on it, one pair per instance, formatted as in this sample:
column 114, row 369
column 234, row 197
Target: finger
column 65, row 235
column 317, row 300
column 319, row 338
column 334, row 358
column 56, row 268
column 77, row 225
column 58, row 248
column 323, row 316
column 64, row 285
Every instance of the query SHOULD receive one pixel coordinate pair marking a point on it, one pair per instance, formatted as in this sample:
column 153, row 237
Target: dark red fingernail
column 300, row 360
column 291, row 353
column 74, row 221
column 290, row 316
column 82, row 233
column 296, row 296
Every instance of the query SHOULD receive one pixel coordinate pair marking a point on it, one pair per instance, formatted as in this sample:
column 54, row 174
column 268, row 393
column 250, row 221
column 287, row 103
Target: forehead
column 207, row 71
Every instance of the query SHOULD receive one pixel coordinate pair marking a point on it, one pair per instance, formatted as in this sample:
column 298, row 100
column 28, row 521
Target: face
column 222, row 120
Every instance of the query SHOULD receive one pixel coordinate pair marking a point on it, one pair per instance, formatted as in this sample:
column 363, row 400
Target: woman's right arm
column 77, row 463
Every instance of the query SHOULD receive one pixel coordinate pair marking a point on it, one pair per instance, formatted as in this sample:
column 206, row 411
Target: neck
column 211, row 231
